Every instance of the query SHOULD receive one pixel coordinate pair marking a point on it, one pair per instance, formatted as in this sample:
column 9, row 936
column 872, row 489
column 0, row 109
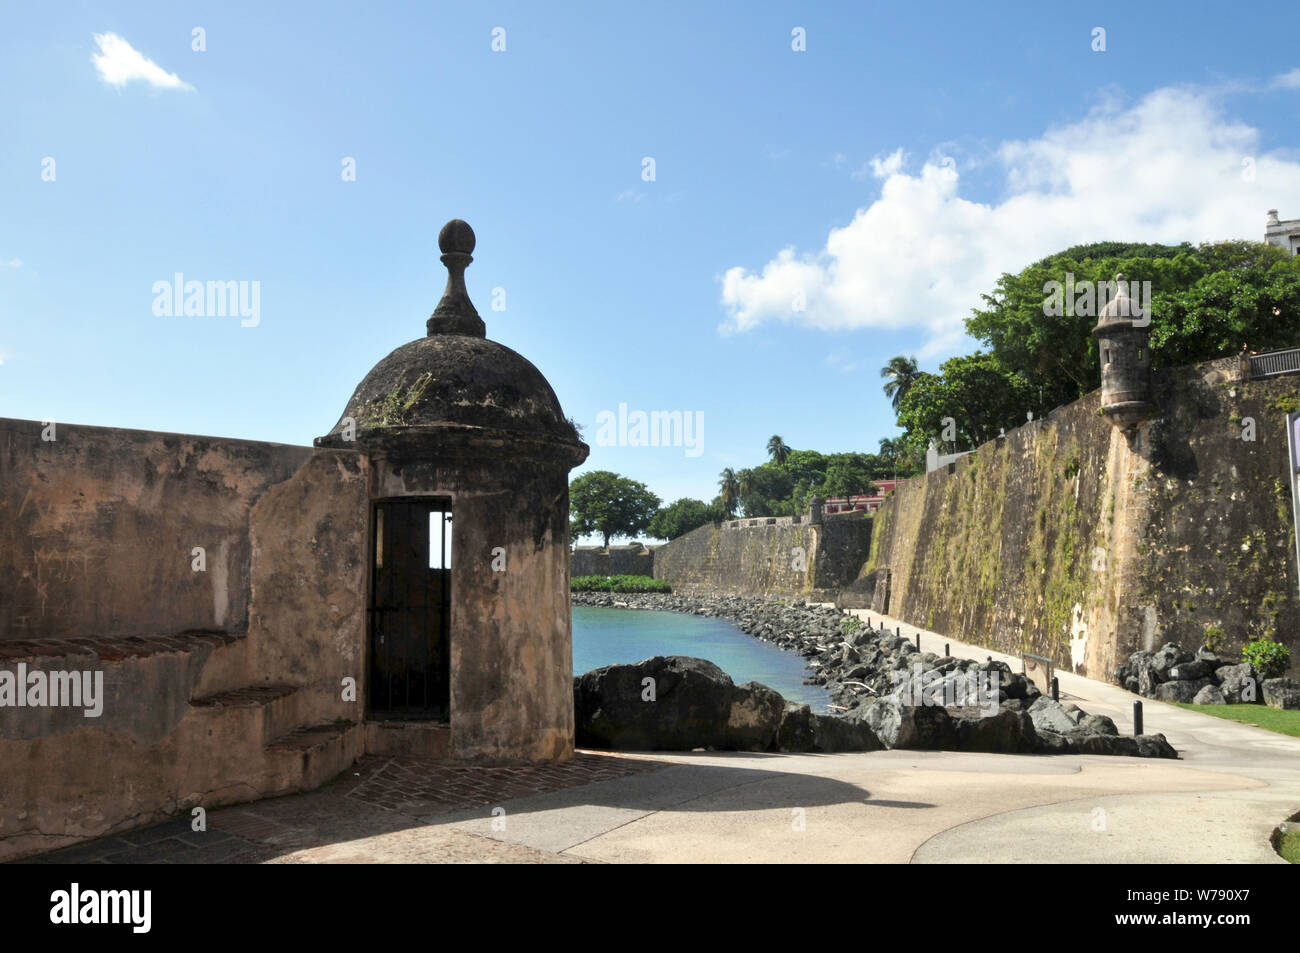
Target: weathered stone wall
column 98, row 525
column 615, row 561
column 205, row 673
column 766, row 558
column 1065, row 541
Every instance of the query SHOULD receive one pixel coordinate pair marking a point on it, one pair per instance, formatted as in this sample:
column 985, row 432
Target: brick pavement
column 366, row 815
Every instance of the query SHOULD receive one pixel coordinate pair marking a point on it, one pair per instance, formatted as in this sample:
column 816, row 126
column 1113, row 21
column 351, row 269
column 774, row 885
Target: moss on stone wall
column 1064, row 531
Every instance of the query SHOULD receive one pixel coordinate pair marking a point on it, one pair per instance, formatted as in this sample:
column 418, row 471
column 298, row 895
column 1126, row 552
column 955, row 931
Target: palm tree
column 902, row 373
column 730, row 491
column 891, row 450
column 745, row 481
column 777, row 450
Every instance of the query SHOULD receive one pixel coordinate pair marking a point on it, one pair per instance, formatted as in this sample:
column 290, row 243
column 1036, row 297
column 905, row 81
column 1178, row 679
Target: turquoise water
column 608, row 636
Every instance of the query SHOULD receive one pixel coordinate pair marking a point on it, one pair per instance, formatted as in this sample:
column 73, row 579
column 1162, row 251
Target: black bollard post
column 1137, row 719
column 1056, row 689
column 918, row 641
column 947, row 650
column 898, row 630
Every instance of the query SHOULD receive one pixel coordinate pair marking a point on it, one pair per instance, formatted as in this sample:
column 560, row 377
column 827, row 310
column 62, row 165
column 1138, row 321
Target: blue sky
column 888, row 173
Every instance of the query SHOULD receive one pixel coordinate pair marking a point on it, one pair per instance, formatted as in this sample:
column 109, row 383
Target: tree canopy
column 682, row 516
column 611, row 505
column 1206, row 301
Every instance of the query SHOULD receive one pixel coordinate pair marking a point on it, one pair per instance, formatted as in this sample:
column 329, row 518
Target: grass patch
column 1274, row 719
column 618, row 584
column 1288, row 845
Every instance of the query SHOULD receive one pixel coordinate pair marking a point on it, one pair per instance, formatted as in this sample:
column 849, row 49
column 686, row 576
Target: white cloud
column 118, row 63
column 1169, row 168
column 890, row 165
column 1289, row 80
column 12, row 263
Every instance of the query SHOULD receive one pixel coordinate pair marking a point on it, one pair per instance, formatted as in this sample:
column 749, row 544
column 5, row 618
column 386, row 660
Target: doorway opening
column 410, row 610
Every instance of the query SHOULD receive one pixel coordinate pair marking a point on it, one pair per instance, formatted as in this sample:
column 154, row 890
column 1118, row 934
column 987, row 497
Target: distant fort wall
column 1065, row 539
column 615, row 561
column 767, row 556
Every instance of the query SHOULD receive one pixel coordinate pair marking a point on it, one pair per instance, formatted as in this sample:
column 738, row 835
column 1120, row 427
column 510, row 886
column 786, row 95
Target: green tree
column 848, row 474
column 606, row 503
column 901, row 373
column 777, row 450
column 729, row 491
column 682, row 516
column 1206, row 302
column 978, row 394
column 765, row 490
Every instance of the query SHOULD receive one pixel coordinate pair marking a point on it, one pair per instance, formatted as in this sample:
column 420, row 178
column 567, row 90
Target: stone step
column 309, row 755
column 425, row 740
column 271, row 710
column 228, row 667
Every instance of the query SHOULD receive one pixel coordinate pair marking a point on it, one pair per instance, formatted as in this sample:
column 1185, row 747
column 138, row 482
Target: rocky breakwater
column 908, row 699
column 1173, row 674
column 677, row 703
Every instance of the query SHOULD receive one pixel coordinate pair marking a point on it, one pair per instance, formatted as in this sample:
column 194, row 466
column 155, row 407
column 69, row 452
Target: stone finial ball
column 456, row 236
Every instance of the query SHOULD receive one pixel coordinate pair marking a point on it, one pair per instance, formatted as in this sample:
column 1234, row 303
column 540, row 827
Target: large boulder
column 1209, row 656
column 1097, row 724
column 1004, row 731
column 1210, row 695
column 1179, row 691
column 1138, row 663
column 1190, row 671
column 1148, row 681
column 690, row 706
column 1052, row 742
column 1281, row 693
column 1166, row 657
column 796, row 731
column 1083, row 741
column 1047, row 715
column 898, row 725
column 1236, row 681
column 801, row 730
column 754, row 718
column 837, row 733
column 1155, row 746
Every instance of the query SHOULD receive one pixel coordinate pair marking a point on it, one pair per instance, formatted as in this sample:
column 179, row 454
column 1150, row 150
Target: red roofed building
column 847, row 504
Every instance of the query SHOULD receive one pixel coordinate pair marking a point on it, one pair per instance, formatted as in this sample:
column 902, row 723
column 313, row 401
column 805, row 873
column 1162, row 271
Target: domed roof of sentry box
column 453, row 382
column 1121, row 311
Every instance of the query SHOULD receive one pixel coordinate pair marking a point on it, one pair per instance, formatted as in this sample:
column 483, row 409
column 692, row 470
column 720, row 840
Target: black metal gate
column 410, row 610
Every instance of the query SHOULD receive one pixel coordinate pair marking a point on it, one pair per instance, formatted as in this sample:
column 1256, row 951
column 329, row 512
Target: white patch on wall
column 1078, row 637
column 1150, row 628
column 221, row 584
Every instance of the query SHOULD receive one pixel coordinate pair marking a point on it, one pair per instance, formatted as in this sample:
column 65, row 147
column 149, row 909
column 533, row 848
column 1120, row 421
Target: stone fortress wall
column 615, row 561
column 767, row 556
column 222, row 674
column 1064, row 540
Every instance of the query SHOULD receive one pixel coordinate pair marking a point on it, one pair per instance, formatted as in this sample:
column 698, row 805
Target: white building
column 1283, row 234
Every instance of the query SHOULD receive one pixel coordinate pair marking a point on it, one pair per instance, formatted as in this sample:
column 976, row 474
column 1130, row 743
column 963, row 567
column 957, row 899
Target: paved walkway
column 1219, row 804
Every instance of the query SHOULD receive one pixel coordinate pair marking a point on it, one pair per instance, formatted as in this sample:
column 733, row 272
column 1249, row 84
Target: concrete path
column 1219, row 804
